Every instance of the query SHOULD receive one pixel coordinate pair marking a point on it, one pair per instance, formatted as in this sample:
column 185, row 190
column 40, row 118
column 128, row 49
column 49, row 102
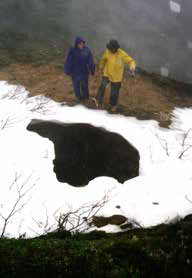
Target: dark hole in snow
column 84, row 152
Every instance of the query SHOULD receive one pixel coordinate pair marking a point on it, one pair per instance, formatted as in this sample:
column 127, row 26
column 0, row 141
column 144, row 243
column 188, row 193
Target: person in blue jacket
column 79, row 64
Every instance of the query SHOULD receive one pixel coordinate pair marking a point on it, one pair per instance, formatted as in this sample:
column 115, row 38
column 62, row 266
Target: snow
column 31, row 198
column 189, row 44
column 175, row 7
column 164, row 71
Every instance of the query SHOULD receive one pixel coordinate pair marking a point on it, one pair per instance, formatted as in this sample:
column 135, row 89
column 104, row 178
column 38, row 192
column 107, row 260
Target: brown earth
column 145, row 96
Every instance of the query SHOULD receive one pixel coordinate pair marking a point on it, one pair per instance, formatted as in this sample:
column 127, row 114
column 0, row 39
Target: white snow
column 164, row 71
column 189, row 44
column 162, row 192
column 175, row 7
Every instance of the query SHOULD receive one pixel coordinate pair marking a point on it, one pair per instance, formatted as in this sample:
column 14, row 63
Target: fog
column 156, row 33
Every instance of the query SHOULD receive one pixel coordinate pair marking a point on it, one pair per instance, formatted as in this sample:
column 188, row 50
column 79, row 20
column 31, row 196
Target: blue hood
column 78, row 40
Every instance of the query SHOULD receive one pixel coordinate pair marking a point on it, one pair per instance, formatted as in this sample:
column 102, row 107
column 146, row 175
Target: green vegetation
column 162, row 251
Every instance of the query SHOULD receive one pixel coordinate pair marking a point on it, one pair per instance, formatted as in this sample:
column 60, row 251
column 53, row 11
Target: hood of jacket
column 78, row 40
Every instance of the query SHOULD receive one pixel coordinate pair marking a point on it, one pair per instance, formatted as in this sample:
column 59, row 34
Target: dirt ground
column 144, row 96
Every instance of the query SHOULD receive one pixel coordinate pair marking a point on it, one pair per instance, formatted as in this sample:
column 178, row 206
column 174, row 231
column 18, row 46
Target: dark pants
column 80, row 86
column 115, row 87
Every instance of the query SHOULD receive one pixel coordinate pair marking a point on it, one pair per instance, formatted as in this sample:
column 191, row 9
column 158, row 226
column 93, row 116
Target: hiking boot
column 95, row 101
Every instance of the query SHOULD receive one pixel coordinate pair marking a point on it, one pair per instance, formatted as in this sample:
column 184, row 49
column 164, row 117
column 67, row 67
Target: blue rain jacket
column 79, row 62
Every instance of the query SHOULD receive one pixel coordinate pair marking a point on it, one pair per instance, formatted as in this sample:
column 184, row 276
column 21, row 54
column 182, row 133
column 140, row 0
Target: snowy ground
column 31, row 199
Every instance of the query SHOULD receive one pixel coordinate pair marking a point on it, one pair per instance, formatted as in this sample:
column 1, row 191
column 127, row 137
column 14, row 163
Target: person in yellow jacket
column 112, row 66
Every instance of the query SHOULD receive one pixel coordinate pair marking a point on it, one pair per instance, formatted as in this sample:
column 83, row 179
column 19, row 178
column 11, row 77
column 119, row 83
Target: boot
column 95, row 101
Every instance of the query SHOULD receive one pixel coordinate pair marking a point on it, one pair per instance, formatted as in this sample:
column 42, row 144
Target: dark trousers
column 115, row 87
column 81, row 88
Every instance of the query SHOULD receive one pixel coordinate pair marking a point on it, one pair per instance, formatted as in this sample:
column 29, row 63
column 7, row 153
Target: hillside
column 38, row 65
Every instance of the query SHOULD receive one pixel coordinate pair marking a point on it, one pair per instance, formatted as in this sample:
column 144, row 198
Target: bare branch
column 186, row 197
column 184, row 151
column 21, row 193
column 40, row 105
column 163, row 143
column 77, row 220
column 43, row 225
column 9, row 121
column 185, row 146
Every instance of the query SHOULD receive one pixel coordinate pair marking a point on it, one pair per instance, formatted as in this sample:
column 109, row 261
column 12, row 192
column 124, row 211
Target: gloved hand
column 132, row 69
column 100, row 71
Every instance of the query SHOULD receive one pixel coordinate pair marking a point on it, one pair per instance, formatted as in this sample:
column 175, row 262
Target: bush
column 162, row 251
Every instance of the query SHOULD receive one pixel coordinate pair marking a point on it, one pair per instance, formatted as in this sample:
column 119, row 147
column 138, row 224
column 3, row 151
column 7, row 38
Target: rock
column 127, row 226
column 84, row 152
column 101, row 221
column 117, row 219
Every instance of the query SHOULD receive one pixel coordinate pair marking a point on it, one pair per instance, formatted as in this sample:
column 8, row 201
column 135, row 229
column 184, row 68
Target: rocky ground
column 38, row 66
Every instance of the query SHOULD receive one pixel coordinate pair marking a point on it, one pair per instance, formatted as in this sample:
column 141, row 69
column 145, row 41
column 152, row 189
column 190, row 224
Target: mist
column 156, row 33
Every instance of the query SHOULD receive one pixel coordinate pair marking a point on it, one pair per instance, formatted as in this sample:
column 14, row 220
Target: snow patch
column 175, row 7
column 164, row 71
column 161, row 193
column 189, row 44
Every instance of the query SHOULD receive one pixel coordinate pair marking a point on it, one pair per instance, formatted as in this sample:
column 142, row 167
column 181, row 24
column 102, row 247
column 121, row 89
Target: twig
column 165, row 145
column 20, row 195
column 185, row 148
column 80, row 217
column 186, row 197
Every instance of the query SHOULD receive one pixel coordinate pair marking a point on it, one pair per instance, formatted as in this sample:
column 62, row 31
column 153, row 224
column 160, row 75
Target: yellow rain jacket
column 113, row 64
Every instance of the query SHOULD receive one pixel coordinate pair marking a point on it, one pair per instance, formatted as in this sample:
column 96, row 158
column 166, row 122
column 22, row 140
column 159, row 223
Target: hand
column 100, row 71
column 132, row 70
